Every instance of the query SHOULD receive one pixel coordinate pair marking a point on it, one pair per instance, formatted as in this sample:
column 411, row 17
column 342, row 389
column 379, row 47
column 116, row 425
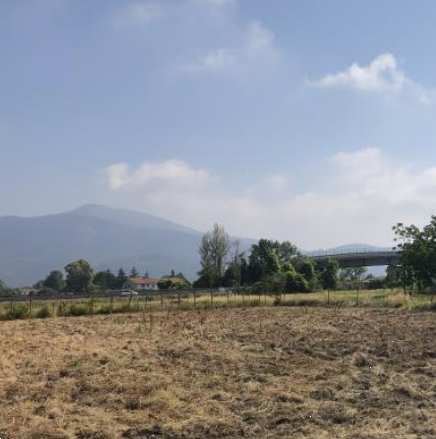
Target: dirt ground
column 229, row 373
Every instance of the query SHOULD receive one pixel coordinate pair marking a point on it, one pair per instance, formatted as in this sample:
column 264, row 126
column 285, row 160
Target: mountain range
column 107, row 237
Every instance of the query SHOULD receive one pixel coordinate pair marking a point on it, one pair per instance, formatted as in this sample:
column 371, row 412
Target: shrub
column 18, row 312
column 77, row 310
column 296, row 283
column 43, row 312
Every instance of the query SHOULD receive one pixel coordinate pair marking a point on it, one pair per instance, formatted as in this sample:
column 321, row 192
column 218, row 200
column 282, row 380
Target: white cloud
column 361, row 196
column 137, row 14
column 277, row 182
column 216, row 60
column 257, row 45
column 170, row 174
column 259, row 39
column 382, row 76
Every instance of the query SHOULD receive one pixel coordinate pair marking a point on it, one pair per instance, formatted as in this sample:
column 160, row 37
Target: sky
column 310, row 121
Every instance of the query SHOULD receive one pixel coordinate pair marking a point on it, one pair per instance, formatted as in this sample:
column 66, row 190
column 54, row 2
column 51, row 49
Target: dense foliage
column 418, row 254
column 5, row 291
column 271, row 266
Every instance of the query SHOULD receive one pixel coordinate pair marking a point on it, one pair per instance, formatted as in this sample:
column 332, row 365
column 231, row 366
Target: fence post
column 30, row 307
column 211, row 298
column 357, row 297
column 178, row 299
column 195, row 299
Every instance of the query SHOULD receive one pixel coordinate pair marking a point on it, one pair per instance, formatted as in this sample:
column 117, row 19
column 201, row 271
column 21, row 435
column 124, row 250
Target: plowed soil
column 228, row 373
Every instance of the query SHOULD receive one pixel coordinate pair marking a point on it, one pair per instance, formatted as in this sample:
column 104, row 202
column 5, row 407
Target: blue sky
column 311, row 121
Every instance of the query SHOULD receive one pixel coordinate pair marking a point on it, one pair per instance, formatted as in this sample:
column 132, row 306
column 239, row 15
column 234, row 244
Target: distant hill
column 131, row 218
column 106, row 237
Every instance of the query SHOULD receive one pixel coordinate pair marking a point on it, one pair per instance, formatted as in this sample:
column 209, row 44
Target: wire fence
column 70, row 304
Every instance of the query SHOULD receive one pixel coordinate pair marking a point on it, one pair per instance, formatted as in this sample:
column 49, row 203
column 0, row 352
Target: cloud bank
column 362, row 195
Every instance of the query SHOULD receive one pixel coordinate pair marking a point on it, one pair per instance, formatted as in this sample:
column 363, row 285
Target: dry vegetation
column 226, row 373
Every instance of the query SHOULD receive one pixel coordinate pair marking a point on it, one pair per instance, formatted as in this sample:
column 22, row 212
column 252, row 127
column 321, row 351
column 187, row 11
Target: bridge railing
column 365, row 252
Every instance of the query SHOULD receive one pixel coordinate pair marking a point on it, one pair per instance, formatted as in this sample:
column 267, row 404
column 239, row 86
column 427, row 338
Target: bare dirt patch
column 229, row 373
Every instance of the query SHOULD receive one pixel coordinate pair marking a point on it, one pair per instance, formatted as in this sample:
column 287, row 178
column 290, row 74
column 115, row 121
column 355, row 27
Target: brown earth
column 235, row 373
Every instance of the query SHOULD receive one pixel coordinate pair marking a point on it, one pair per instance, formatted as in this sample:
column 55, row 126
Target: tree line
column 270, row 266
column 418, row 256
column 80, row 277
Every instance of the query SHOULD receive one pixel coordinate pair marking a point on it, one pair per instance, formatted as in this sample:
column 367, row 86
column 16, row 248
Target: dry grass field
column 227, row 373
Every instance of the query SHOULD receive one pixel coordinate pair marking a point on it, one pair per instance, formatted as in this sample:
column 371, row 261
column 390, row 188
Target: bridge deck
column 361, row 259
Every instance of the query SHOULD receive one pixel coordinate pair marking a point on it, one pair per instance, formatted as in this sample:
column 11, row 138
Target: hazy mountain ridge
column 107, row 238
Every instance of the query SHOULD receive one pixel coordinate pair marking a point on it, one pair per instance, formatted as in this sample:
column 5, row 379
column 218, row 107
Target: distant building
column 26, row 291
column 149, row 283
column 142, row 283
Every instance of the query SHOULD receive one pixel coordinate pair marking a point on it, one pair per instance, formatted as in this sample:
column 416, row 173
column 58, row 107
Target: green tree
column 55, row 280
column 79, row 276
column 105, row 280
column 165, row 284
column 296, row 283
column 418, row 254
column 307, row 268
column 352, row 274
column 394, row 276
column 213, row 250
column 261, row 253
column 6, row 291
column 134, row 272
column 121, row 278
column 272, row 264
column 329, row 276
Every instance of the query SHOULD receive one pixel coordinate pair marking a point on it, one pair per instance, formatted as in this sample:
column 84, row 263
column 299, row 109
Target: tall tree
column 272, row 264
column 134, row 272
column 213, row 250
column 79, row 276
column 307, row 268
column 55, row 280
column 260, row 257
column 329, row 276
column 121, row 278
column 418, row 254
column 105, row 280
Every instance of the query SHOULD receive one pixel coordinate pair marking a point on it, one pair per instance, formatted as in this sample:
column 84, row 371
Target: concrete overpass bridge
column 360, row 258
